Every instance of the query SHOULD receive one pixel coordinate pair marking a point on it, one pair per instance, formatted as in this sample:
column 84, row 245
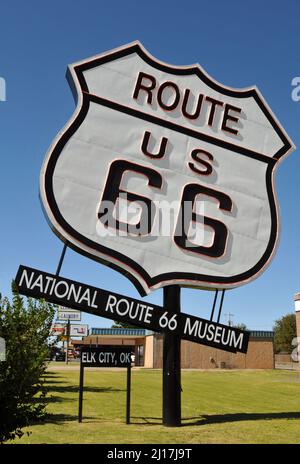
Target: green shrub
column 25, row 326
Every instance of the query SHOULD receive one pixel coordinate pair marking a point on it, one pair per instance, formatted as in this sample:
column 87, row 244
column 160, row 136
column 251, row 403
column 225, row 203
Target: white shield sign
column 165, row 174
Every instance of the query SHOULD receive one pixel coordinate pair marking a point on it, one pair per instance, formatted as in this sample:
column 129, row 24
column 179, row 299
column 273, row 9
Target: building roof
column 261, row 334
column 118, row 331
column 143, row 332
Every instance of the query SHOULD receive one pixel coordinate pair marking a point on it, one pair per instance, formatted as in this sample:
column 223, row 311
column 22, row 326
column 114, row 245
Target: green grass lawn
column 217, row 407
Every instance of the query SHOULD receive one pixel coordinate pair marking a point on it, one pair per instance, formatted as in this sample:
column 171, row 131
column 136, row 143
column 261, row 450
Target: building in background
column 297, row 344
column 148, row 348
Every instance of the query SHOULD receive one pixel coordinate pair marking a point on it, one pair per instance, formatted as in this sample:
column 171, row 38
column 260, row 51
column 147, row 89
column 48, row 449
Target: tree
column 241, row 326
column 123, row 325
column 26, row 330
column 284, row 332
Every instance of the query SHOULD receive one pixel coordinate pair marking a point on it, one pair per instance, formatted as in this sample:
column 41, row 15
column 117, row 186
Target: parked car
column 60, row 356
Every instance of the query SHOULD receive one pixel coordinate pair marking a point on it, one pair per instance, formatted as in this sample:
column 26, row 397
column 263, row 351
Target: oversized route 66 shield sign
column 165, row 174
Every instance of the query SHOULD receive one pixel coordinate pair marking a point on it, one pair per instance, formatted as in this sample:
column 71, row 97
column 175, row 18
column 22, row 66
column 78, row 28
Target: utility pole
column 230, row 321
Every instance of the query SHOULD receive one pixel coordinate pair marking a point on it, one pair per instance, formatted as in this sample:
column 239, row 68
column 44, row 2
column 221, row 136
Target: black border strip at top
column 176, row 127
column 135, row 48
column 188, row 279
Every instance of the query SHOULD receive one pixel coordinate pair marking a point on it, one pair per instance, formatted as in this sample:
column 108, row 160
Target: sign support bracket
column 221, row 306
column 62, row 256
column 214, row 305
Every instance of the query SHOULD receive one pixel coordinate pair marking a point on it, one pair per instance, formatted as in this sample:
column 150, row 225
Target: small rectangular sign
column 58, row 290
column 106, row 356
column 58, row 329
column 78, row 330
column 65, row 314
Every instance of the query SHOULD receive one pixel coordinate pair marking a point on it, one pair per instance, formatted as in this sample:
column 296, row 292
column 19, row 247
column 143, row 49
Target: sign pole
column 171, row 363
column 80, row 391
column 128, row 395
column 107, row 356
column 68, row 341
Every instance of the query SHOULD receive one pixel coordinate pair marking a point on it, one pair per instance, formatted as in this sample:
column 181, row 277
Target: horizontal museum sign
column 58, row 290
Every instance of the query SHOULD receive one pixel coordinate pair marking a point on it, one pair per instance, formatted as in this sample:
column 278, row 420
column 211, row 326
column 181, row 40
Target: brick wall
column 283, row 358
column 260, row 355
column 297, row 308
column 148, row 356
column 298, row 335
column 298, row 323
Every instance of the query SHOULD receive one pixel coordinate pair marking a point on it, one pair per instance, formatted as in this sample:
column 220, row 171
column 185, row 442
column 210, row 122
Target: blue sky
column 239, row 44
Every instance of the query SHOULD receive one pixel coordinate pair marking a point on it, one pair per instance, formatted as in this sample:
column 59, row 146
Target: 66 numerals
column 168, row 323
column 113, row 193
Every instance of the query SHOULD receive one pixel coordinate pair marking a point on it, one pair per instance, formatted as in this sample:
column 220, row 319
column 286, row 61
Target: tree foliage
column 241, row 326
column 284, row 332
column 123, row 325
column 25, row 328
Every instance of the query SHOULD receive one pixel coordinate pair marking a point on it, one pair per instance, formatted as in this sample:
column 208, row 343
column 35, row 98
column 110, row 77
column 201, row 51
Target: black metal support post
column 171, row 363
column 80, row 392
column 214, row 305
column 68, row 341
column 62, row 256
column 221, row 306
column 128, row 395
